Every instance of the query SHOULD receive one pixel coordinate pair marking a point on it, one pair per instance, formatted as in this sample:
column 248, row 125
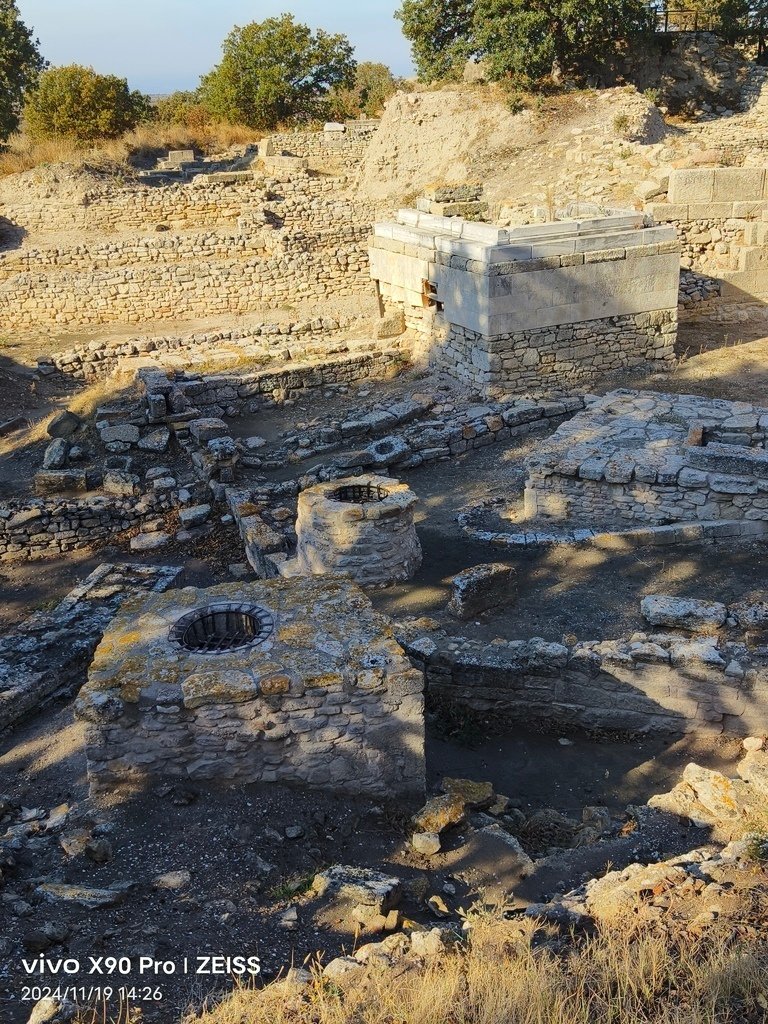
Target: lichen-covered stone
column 323, row 695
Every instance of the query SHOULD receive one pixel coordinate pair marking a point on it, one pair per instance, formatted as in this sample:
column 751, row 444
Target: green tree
column 78, row 103
column 525, row 40
column 441, row 35
column 183, row 108
column 372, row 87
column 528, row 40
column 20, row 66
column 276, row 70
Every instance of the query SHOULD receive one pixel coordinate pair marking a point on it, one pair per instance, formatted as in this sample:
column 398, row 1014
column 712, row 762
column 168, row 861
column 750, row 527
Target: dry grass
column 144, row 143
column 84, row 404
column 619, row 977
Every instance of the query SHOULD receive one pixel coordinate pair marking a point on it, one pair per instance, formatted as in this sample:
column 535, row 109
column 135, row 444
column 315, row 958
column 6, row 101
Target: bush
column 372, row 87
column 75, row 102
column 183, row 108
column 275, row 71
column 20, row 65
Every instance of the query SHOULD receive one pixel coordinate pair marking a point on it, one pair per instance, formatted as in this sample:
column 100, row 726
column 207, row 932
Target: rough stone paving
column 328, row 699
column 651, row 458
column 51, row 650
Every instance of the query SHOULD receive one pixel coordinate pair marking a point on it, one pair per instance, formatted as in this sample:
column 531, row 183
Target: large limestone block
column 683, row 612
column 480, row 588
column 692, row 185
column 738, row 184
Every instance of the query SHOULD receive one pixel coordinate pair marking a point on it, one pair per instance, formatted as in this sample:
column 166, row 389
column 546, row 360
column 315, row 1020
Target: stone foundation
column 651, row 683
column 326, row 699
column 653, row 459
column 540, row 304
column 571, row 354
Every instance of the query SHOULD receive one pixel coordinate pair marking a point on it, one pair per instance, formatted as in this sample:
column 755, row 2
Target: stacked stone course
column 650, row 458
column 649, row 683
column 44, row 528
column 327, row 700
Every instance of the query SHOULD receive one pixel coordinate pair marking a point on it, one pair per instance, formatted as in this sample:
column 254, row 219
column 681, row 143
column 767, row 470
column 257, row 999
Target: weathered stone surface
column 195, row 515
column 426, row 843
column 373, row 540
column 474, row 794
column 56, row 454
column 343, row 971
column 315, row 690
column 440, row 813
column 435, row 942
column 124, row 433
column 149, row 541
column 172, row 880
column 117, row 481
column 682, row 612
column 754, row 770
column 359, row 885
column 155, row 440
column 481, row 588
column 208, row 428
column 53, row 1011
column 82, row 895
column 63, row 424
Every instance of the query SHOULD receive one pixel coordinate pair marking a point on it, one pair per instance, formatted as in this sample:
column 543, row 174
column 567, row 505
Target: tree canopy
column 441, row 35
column 372, row 87
column 275, row 71
column 20, row 65
column 526, row 40
column 78, row 103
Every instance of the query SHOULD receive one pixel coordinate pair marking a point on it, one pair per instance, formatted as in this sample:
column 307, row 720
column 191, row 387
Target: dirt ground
column 245, row 871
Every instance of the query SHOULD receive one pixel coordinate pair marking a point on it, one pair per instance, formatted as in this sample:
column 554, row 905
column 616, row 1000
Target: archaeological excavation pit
column 362, row 526
column 308, row 685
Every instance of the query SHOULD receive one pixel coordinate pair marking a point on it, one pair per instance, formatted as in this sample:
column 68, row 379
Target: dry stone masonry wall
column 720, row 215
column 648, row 458
column 221, row 244
column 648, row 683
column 326, row 698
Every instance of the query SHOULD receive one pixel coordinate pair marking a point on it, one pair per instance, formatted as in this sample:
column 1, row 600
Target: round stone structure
column 362, row 526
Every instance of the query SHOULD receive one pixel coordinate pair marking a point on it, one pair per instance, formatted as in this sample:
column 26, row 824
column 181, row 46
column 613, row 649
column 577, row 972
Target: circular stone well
column 360, row 525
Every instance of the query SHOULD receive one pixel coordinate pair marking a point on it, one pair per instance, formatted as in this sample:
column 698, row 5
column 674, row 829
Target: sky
column 163, row 45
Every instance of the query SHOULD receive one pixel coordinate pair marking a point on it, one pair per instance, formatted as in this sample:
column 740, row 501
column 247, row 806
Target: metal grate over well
column 359, row 494
column 219, row 628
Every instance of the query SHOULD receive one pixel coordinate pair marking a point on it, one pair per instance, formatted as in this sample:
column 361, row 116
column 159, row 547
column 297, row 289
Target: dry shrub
column 136, row 147
column 619, row 976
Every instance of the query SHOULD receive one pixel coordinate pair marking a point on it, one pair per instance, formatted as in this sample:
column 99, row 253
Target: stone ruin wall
column 347, row 148
column 142, row 293
column 293, row 340
column 687, row 496
column 661, row 684
column 561, row 357
column 38, row 529
column 717, row 472
column 233, row 248
column 719, row 214
column 542, row 305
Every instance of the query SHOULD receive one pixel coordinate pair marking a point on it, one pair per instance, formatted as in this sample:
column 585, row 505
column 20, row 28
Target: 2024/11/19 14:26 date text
column 92, row 993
